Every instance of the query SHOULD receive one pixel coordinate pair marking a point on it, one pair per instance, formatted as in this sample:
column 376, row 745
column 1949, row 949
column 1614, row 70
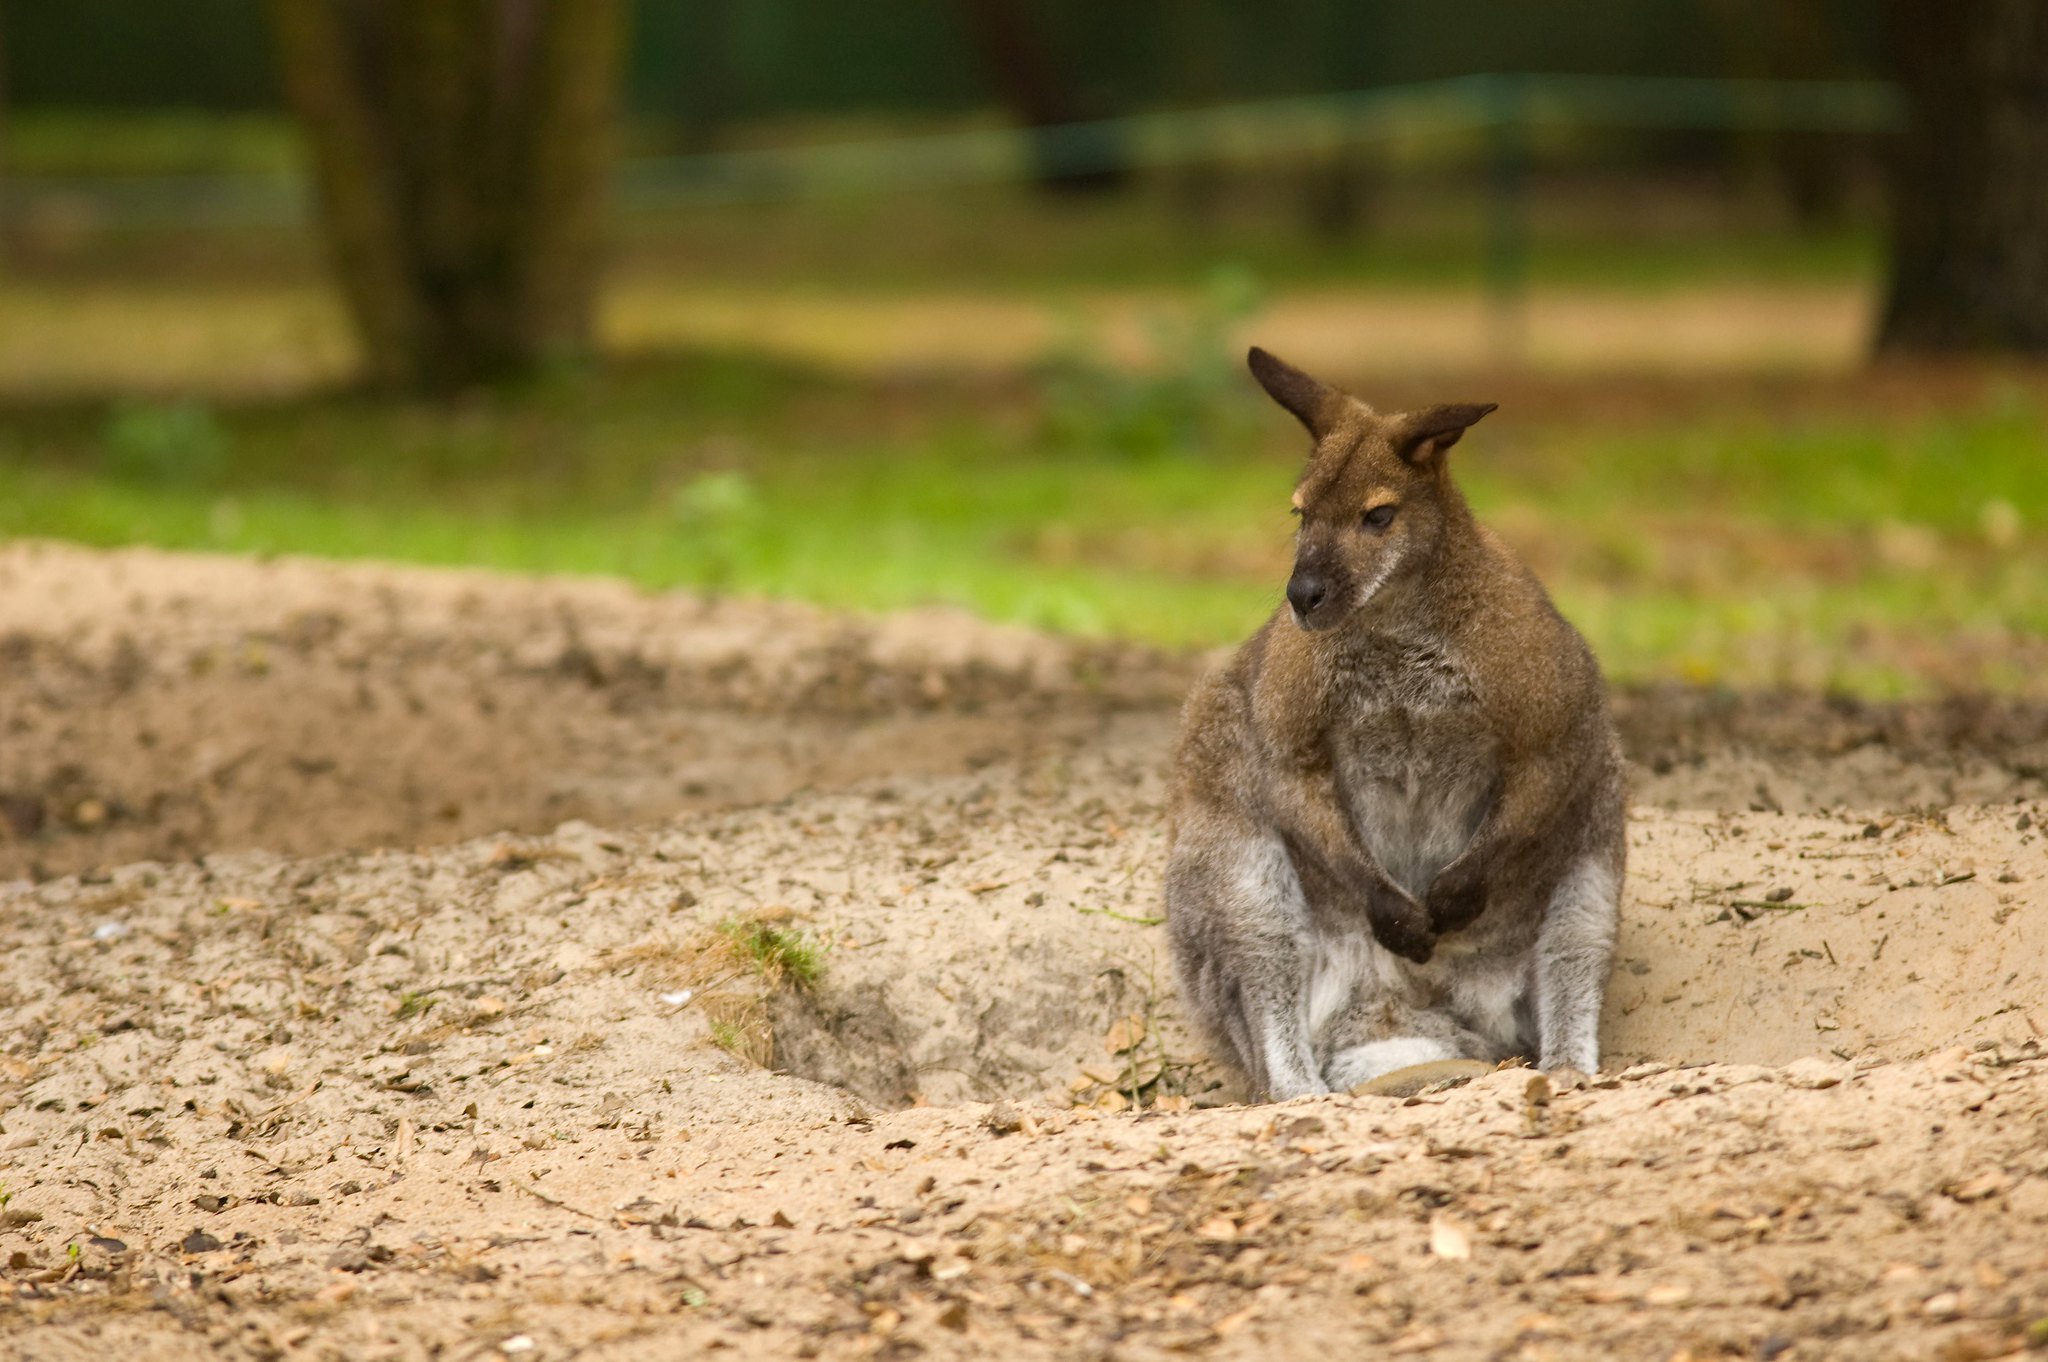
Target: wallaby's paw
column 1416, row 1079
column 1455, row 901
column 1564, row 1078
column 1401, row 925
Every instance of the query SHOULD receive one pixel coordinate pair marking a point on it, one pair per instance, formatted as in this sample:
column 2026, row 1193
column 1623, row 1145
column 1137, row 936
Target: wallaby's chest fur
column 1414, row 757
column 1397, row 721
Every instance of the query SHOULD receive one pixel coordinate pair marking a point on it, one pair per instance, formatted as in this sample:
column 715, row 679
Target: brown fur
column 1419, row 690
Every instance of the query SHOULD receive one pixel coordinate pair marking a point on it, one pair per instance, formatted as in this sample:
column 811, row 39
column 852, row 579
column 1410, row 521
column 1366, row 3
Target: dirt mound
column 163, row 705
column 496, row 1097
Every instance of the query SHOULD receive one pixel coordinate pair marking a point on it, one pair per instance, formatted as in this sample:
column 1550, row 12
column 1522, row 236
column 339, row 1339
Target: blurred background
column 945, row 300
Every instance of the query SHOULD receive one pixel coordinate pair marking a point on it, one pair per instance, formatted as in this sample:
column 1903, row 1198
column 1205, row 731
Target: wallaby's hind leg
column 1374, row 1038
column 1362, row 1063
column 1572, row 954
column 1239, row 926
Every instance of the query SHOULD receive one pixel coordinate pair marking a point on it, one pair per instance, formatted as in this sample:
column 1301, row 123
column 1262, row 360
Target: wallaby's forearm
column 1338, row 870
column 1533, row 802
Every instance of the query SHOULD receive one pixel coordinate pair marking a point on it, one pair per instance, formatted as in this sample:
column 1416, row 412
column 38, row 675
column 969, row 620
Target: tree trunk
column 6, row 210
column 460, row 151
column 1071, row 154
column 1970, row 189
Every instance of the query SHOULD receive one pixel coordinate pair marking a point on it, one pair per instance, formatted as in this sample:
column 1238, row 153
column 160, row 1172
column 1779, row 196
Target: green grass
column 777, row 954
column 1853, row 548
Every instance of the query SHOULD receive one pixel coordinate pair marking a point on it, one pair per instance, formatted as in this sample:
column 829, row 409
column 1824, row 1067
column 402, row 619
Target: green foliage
column 168, row 444
column 778, row 954
column 719, row 514
column 1190, row 398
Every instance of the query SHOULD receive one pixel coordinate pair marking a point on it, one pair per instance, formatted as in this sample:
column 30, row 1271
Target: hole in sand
column 1748, row 937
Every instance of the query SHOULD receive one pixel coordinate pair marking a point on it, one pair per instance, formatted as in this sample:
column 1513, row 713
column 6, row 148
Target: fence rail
column 1508, row 109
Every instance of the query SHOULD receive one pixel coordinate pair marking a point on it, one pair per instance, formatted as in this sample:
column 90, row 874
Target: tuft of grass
column 412, row 1005
column 778, row 954
column 740, row 1027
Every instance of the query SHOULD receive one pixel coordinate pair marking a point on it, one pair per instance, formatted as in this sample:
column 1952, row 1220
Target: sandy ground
column 234, row 339
column 417, row 1035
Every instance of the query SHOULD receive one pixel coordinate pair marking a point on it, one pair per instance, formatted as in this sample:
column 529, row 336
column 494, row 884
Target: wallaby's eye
column 1379, row 517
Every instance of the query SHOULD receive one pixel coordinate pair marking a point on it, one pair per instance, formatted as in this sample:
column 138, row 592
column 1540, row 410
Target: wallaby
column 1397, row 817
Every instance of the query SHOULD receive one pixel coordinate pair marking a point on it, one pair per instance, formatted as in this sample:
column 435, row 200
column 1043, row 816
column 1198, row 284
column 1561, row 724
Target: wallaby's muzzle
column 1311, row 592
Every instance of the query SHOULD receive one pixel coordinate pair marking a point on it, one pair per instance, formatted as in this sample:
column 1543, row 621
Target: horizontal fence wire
column 1246, row 132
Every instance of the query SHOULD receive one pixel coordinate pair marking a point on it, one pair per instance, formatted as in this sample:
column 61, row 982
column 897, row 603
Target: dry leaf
column 1218, row 1227
column 1946, row 1305
column 1231, row 1323
column 1988, row 1184
column 1416, row 1341
column 1126, row 1034
column 1448, row 1239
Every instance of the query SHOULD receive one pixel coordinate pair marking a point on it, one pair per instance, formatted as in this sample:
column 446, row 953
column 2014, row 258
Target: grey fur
column 1398, row 809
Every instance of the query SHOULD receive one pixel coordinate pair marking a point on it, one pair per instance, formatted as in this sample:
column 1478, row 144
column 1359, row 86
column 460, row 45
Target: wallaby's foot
column 1420, row 1078
column 1401, row 924
column 1356, row 1064
column 1565, row 1078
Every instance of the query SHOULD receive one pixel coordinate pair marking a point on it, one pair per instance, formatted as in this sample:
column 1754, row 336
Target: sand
column 366, row 996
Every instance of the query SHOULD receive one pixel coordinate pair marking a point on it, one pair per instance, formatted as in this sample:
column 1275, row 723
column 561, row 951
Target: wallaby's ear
column 1314, row 403
column 1426, row 434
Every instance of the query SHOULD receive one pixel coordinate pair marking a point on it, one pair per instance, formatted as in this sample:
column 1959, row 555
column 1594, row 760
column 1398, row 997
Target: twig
column 1123, row 917
column 537, row 1193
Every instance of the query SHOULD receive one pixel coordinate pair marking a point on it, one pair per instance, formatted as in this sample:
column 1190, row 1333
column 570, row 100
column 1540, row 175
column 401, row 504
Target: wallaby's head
column 1375, row 500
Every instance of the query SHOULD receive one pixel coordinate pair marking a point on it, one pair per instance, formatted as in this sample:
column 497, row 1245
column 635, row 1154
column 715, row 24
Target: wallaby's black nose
column 1305, row 591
